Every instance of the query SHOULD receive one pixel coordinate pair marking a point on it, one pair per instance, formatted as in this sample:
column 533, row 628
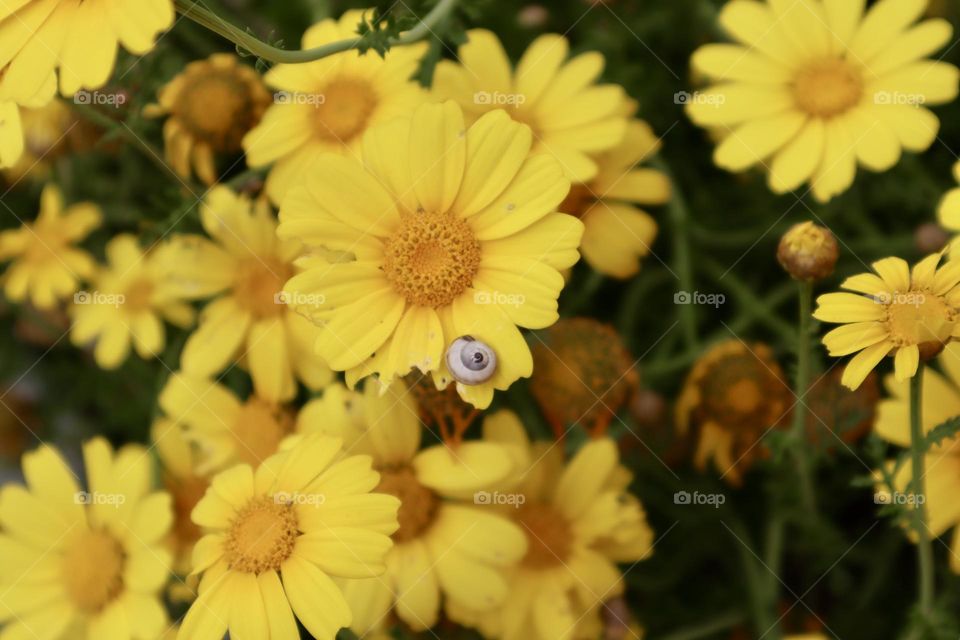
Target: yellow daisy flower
column 455, row 235
column 579, row 521
column 328, row 104
column 77, row 39
column 734, row 394
column 446, row 549
column 617, row 234
column 940, row 402
column 910, row 314
column 571, row 116
column 212, row 104
column 244, row 266
column 305, row 515
column 84, row 562
column 128, row 301
column 225, row 429
column 46, row 267
column 814, row 88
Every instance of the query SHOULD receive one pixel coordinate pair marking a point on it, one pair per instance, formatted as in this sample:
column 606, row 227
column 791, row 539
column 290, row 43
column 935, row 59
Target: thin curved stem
column 682, row 255
column 206, row 18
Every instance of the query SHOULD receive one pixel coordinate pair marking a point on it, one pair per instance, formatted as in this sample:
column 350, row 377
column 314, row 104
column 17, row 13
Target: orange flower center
column 261, row 536
column 138, row 296
column 217, row 108
column 826, row 88
column 432, row 258
column 919, row 318
column 549, row 536
column 418, row 504
column 258, row 285
column 258, row 429
column 93, row 570
column 345, row 110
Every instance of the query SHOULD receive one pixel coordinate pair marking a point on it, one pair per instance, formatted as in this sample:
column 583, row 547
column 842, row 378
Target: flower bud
column 808, row 252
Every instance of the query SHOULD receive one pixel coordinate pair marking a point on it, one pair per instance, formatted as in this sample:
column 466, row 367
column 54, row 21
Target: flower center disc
column 432, row 258
column 93, row 570
column 258, row 430
column 549, row 538
column 217, row 109
column 826, row 88
column 257, row 284
column 261, row 536
column 418, row 504
column 345, row 110
column 919, row 317
column 138, row 296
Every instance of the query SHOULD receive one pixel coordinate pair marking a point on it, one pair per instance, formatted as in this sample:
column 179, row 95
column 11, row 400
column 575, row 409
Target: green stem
column 682, row 260
column 747, row 299
column 801, row 385
column 758, row 591
column 206, row 18
column 917, row 453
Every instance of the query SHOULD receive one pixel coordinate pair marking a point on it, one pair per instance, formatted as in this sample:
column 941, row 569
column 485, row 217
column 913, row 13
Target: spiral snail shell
column 471, row 361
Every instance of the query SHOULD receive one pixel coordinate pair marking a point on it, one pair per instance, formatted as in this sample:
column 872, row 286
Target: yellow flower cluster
column 374, row 268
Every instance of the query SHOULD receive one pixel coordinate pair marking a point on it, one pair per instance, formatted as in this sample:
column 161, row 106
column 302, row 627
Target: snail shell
column 471, row 361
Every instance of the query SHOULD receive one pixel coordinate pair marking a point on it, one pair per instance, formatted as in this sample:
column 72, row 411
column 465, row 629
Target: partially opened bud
column 808, row 251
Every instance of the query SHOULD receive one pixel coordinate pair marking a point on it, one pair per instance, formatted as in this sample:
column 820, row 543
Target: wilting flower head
column 454, row 242
column 910, row 314
column 732, row 397
column 812, row 89
column 210, row 106
column 584, row 374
